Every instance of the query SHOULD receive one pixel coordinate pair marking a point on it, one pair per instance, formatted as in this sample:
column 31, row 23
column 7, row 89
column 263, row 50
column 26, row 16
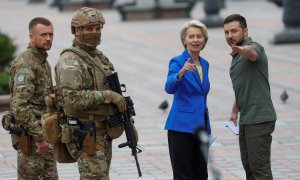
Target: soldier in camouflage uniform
column 85, row 97
column 30, row 75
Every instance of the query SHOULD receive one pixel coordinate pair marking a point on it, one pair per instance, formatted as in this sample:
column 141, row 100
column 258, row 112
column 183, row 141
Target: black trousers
column 188, row 162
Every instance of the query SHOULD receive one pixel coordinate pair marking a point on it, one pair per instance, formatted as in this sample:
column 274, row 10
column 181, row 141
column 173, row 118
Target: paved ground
column 140, row 51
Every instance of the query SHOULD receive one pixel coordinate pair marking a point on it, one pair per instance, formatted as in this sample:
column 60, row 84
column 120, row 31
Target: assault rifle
column 125, row 118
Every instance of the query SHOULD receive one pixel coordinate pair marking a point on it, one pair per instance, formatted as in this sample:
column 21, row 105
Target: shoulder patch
column 20, row 78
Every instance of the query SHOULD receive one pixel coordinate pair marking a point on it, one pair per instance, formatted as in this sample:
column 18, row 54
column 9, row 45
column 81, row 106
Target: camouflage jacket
column 30, row 75
column 81, row 85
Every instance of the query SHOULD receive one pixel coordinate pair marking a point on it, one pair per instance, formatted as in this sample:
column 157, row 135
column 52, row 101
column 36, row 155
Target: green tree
column 7, row 53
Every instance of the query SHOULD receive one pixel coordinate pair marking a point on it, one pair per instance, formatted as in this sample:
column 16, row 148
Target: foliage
column 4, row 82
column 7, row 52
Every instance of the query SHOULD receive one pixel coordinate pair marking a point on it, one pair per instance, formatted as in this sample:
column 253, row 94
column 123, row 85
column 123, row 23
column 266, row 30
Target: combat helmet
column 86, row 16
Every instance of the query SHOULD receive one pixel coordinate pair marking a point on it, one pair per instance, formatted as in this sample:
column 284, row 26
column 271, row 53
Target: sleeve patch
column 21, row 78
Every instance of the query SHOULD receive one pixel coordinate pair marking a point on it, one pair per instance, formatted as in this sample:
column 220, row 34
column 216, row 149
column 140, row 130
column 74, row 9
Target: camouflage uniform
column 29, row 76
column 83, row 91
column 81, row 82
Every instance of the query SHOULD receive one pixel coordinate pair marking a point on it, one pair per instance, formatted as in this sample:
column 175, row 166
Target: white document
column 234, row 128
column 211, row 138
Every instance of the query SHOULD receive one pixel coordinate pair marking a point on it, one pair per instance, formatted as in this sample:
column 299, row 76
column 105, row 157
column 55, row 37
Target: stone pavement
column 140, row 51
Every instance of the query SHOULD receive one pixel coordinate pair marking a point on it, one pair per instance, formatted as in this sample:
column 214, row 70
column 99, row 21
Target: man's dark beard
column 237, row 44
column 240, row 42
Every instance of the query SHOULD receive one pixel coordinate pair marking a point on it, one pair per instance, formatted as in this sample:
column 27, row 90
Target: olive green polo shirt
column 251, row 86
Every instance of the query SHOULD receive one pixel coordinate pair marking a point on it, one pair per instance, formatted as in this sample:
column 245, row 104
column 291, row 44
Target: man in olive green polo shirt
column 249, row 75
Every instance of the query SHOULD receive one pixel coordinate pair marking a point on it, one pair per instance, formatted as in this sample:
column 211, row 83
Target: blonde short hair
column 196, row 24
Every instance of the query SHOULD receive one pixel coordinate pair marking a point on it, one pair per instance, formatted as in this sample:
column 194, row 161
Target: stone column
column 55, row 3
column 291, row 20
column 157, row 10
column 212, row 8
column 87, row 3
column 36, row 1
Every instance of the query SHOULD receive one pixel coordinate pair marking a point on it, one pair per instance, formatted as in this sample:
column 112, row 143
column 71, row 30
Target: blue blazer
column 189, row 108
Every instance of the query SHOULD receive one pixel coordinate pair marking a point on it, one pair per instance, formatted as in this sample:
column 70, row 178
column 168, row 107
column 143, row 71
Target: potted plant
column 7, row 51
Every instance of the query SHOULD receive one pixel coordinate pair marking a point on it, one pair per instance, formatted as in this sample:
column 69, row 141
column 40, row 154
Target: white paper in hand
column 234, row 128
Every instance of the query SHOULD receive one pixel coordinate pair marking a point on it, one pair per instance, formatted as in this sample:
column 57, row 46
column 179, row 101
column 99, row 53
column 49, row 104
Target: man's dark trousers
column 255, row 148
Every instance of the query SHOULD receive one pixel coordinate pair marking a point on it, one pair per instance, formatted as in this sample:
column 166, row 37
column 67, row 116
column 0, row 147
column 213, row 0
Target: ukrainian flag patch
column 21, row 78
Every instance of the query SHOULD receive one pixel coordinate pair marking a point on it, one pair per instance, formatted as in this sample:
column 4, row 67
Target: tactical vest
column 92, row 71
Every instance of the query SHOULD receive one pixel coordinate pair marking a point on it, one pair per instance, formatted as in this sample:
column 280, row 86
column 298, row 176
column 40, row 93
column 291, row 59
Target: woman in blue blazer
column 188, row 81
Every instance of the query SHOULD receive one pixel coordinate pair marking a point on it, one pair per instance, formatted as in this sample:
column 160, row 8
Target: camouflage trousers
column 94, row 167
column 36, row 166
